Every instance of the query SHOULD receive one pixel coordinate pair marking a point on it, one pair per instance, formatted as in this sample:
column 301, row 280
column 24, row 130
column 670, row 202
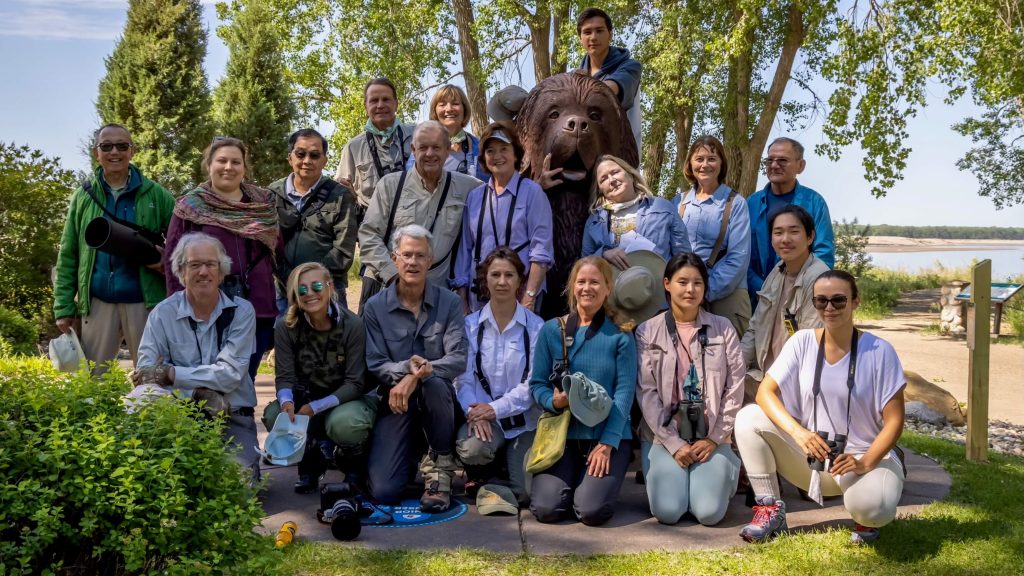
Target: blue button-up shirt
column 703, row 221
column 657, row 221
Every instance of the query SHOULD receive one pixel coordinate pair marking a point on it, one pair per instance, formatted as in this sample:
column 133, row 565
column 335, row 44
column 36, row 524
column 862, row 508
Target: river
column 1007, row 259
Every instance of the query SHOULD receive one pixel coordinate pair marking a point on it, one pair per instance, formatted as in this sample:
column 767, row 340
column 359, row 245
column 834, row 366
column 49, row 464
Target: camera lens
column 345, row 523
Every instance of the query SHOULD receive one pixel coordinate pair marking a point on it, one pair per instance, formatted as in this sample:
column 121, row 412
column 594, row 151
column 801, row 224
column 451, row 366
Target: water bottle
column 286, row 534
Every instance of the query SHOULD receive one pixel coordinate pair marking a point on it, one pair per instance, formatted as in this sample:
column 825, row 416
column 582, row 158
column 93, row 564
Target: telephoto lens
column 339, row 508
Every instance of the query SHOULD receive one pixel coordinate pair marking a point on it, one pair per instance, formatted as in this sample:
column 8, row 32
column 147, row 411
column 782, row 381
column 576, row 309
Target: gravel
column 1002, row 436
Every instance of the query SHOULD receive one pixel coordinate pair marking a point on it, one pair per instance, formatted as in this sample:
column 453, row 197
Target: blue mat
column 408, row 515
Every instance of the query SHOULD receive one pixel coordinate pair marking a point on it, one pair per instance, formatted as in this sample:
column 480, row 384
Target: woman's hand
column 812, row 444
column 617, row 257
column 599, row 461
column 560, row 400
column 481, row 412
column 289, row 409
column 702, row 449
column 306, row 410
column 684, row 456
column 848, row 463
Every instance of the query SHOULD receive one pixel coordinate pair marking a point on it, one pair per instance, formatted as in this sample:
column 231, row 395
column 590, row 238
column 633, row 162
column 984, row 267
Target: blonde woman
column 320, row 369
column 450, row 107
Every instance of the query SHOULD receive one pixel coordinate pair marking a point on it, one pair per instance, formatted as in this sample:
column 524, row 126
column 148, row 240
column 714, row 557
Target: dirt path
column 943, row 360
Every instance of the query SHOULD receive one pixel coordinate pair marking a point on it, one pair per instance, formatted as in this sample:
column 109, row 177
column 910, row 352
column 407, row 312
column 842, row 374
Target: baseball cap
column 495, row 498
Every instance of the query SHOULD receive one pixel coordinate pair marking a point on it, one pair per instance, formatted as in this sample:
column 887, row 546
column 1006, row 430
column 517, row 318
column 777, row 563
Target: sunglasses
column 108, row 146
column 301, row 154
column 838, row 302
column 317, row 286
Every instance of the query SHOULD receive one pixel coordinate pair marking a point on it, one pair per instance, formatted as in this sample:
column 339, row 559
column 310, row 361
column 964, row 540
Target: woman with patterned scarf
column 243, row 217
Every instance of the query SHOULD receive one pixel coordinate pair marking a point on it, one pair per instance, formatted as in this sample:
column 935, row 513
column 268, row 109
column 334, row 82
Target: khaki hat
column 638, row 291
column 506, row 103
column 495, row 498
column 589, row 402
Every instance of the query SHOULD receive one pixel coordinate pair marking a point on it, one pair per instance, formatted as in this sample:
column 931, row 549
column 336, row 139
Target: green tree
column 155, row 85
column 253, row 102
column 851, row 247
column 34, row 192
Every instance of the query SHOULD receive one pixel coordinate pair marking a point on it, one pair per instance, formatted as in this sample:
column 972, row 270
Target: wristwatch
column 531, row 293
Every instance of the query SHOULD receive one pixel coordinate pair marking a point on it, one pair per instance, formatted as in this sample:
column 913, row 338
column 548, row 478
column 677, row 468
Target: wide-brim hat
column 506, row 103
column 286, row 443
column 495, row 498
column 638, row 291
column 589, row 402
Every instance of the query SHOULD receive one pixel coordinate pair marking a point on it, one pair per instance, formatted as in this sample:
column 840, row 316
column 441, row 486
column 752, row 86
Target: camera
column 835, row 448
column 233, row 287
column 690, row 420
column 340, row 509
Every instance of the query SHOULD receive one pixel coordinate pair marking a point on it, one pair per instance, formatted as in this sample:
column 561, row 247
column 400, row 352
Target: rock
column 937, row 399
column 922, row 413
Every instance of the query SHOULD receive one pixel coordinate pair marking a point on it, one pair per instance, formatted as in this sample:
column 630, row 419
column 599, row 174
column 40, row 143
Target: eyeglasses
column 108, row 146
column 317, row 286
column 412, row 256
column 197, row 264
column 313, row 155
column 838, row 302
column 781, row 162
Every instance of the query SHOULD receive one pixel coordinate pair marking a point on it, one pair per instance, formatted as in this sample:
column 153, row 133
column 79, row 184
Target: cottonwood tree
column 155, row 85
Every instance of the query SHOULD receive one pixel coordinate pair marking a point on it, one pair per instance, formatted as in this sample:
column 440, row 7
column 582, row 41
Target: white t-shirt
column 879, row 377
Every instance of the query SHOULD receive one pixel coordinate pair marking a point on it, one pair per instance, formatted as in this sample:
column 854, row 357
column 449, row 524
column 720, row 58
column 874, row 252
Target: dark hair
column 223, row 142
column 713, row 144
column 802, row 215
column 382, row 81
column 797, row 147
column 592, row 12
column 680, row 261
column 510, row 130
column 96, row 134
column 306, row 133
column 500, row 253
column 839, row 275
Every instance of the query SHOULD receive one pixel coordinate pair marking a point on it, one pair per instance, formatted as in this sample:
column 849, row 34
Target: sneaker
column 434, row 500
column 863, row 534
column 769, row 520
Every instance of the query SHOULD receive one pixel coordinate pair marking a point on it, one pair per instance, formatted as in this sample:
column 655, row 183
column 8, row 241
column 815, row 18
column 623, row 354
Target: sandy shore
column 900, row 244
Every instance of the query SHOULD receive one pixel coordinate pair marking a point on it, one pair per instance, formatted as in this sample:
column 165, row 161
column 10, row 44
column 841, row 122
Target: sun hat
column 495, row 498
column 589, row 402
column 506, row 103
column 496, row 135
column 637, row 291
column 286, row 442
column 66, row 352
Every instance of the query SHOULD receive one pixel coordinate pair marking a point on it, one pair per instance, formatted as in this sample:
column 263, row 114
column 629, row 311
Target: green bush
column 21, row 335
column 86, row 488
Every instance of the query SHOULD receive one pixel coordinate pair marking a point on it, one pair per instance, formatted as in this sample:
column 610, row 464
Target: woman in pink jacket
column 690, row 388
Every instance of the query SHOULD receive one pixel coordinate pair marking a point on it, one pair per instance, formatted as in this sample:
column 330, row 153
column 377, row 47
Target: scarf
column 382, row 134
column 621, row 205
column 458, row 137
column 256, row 219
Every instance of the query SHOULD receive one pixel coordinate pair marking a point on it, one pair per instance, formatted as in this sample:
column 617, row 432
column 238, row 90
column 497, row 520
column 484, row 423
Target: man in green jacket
column 110, row 296
column 317, row 215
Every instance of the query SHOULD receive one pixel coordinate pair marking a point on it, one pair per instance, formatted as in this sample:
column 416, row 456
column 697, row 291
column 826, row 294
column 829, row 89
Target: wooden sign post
column 978, row 340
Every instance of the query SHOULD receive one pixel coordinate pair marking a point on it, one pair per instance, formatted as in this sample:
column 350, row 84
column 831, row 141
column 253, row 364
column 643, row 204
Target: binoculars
column 836, row 447
column 690, row 420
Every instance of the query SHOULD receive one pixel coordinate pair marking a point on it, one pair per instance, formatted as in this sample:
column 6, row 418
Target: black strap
column 394, row 208
column 227, row 315
column 494, row 224
column 816, row 389
column 381, row 169
column 323, row 192
column 484, row 383
column 437, row 212
column 716, row 253
column 155, row 237
column 702, row 340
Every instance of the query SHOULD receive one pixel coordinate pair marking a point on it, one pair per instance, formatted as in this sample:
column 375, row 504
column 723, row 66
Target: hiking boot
column 307, row 484
column 769, row 520
column 434, row 499
column 863, row 534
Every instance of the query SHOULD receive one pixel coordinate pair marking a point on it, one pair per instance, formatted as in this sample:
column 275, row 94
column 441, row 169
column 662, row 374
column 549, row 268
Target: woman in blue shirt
column 494, row 392
column 718, row 224
column 450, row 107
column 624, row 215
column 585, row 481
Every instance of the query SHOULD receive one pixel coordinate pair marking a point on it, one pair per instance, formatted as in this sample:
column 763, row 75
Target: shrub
column 86, row 488
column 851, row 241
column 20, row 334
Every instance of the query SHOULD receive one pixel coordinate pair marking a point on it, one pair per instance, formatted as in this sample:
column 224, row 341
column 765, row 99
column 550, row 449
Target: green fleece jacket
column 75, row 261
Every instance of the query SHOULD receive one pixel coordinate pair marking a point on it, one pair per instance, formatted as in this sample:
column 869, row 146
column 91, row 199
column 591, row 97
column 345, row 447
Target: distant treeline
column 948, row 232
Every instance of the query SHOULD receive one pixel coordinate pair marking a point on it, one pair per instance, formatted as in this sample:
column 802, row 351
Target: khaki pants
column 736, row 308
column 107, row 324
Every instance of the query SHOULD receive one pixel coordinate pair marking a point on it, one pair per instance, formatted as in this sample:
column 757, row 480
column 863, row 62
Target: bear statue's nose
column 576, row 124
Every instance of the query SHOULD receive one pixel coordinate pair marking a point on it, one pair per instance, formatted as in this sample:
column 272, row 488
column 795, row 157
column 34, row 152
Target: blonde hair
column 639, row 182
column 602, row 265
column 291, row 317
column 450, row 93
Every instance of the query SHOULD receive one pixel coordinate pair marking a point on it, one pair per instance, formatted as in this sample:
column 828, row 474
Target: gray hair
column 96, row 134
column 430, row 125
column 179, row 255
column 412, row 231
column 797, row 147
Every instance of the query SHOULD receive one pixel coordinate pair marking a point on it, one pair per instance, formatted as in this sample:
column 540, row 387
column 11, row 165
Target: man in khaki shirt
column 427, row 195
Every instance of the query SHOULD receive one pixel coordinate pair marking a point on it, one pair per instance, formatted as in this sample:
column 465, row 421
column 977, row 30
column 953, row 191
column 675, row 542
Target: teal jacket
column 76, row 261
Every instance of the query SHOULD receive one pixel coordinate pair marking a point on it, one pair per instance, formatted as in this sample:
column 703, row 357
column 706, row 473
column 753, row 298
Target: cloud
column 100, row 20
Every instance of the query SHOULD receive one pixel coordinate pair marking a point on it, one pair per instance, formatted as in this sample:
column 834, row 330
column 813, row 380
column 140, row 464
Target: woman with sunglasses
column 320, row 372
column 828, row 414
column 784, row 301
column 243, row 217
column 690, row 388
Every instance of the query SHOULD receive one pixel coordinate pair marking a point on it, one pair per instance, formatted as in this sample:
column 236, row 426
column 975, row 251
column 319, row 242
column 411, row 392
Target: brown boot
column 437, row 476
column 434, row 500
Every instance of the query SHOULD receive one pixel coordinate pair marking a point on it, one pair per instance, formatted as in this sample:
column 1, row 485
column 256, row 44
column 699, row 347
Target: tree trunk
column 476, row 88
column 654, row 150
column 736, row 125
column 684, row 133
column 540, row 40
column 559, row 56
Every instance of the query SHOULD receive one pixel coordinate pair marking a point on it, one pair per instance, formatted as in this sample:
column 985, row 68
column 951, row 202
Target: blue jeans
column 702, row 489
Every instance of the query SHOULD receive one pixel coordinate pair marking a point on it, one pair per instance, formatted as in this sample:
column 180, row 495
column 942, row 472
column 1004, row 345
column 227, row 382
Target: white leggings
column 870, row 499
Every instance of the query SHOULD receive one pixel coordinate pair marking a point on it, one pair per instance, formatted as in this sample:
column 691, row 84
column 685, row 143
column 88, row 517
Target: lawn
column 978, row 529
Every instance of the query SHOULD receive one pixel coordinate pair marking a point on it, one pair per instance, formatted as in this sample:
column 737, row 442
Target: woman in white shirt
column 828, row 414
column 494, row 392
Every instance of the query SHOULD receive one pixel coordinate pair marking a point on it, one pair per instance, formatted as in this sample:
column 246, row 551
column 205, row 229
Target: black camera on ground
column 340, row 508
column 836, row 447
column 690, row 420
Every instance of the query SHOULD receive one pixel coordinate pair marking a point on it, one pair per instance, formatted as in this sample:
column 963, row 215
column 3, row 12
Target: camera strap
column 382, row 170
column 702, row 340
column 494, row 218
column 816, row 389
column 227, row 315
column 478, row 369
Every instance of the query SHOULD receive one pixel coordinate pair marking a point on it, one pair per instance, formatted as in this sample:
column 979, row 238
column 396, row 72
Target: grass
column 978, row 529
column 880, row 288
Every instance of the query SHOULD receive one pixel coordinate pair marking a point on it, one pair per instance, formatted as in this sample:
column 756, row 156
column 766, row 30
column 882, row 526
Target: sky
column 52, row 53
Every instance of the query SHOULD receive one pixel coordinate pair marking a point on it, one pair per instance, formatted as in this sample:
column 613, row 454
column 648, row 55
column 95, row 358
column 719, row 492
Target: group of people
column 712, row 329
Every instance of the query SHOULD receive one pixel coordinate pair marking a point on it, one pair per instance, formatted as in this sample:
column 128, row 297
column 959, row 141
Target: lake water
column 1007, row 259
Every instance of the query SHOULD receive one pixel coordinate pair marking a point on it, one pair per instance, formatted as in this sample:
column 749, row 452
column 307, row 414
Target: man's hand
column 481, row 429
column 158, row 375
column 617, row 257
column 65, row 324
column 548, row 177
column 481, row 412
column 158, row 266
column 398, row 398
column 421, row 367
column 345, row 182
column 702, row 449
column 599, row 461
